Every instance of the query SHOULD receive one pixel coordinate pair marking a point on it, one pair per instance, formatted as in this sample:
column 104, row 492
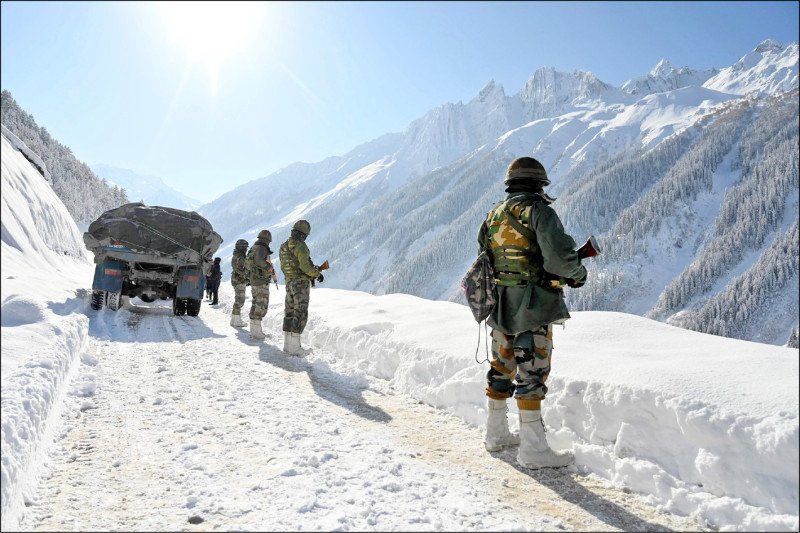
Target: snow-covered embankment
column 44, row 328
column 706, row 426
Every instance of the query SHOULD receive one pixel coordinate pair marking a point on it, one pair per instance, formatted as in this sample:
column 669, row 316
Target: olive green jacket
column 529, row 306
column 261, row 269
column 296, row 261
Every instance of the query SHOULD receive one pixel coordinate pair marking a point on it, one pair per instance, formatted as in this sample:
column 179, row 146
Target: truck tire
column 113, row 300
column 179, row 306
column 98, row 297
column 193, row 307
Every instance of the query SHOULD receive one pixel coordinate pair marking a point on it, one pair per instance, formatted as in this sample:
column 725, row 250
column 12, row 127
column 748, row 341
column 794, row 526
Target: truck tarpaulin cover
column 183, row 236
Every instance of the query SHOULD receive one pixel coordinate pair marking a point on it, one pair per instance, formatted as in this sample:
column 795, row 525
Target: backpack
column 479, row 287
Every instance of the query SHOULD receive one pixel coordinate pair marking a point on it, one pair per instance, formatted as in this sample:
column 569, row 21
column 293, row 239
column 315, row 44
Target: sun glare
column 212, row 32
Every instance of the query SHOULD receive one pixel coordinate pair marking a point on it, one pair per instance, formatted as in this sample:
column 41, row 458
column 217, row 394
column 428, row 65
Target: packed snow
column 141, row 420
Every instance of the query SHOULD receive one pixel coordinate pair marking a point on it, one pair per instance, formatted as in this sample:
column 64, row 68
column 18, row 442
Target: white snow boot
column 287, row 342
column 497, row 434
column 236, row 320
column 255, row 330
column 534, row 452
column 294, row 346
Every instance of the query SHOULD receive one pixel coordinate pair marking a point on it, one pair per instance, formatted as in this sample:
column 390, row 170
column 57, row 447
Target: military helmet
column 241, row 244
column 525, row 169
column 265, row 235
column 302, row 226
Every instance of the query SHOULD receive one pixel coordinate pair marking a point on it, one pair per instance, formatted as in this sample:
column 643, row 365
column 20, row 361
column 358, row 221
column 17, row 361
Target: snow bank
column 704, row 425
column 44, row 329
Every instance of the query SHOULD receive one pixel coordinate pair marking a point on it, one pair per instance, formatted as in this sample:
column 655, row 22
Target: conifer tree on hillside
column 84, row 194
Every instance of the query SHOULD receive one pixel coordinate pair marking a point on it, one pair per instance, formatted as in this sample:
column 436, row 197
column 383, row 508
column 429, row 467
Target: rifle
column 589, row 248
column 323, row 266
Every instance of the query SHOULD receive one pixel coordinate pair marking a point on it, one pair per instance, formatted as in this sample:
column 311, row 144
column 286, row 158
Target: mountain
column 149, row 189
column 664, row 77
column 87, row 395
column 655, row 169
column 82, row 192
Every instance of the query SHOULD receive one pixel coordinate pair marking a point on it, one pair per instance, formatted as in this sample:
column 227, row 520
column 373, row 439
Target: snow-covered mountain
column 87, row 395
column 665, row 77
column 400, row 214
column 149, row 189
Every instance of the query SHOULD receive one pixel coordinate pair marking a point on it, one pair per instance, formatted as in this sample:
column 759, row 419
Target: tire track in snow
column 192, row 419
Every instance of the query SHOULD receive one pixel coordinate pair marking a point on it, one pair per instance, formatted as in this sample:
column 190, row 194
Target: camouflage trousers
column 524, row 357
column 298, row 293
column 238, row 301
column 258, row 307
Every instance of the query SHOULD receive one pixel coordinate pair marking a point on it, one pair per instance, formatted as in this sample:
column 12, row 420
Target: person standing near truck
column 239, row 279
column 261, row 273
column 214, row 280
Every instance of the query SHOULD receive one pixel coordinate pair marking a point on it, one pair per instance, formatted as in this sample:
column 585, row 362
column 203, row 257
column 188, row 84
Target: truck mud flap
column 108, row 276
column 191, row 283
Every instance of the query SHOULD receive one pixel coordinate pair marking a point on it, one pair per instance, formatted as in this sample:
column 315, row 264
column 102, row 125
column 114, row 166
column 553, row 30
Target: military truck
column 151, row 252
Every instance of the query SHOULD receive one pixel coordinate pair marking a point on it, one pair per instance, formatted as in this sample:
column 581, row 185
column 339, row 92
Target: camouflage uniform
column 239, row 280
column 299, row 271
column 261, row 273
column 529, row 248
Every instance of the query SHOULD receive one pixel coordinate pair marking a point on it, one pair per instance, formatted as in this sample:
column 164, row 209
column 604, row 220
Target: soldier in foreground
column 532, row 257
column 262, row 272
column 240, row 278
column 300, row 272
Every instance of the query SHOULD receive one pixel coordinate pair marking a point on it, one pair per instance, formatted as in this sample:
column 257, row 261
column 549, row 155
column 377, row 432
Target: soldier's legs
column 295, row 317
column 239, row 296
column 258, row 307
column 500, row 377
column 532, row 351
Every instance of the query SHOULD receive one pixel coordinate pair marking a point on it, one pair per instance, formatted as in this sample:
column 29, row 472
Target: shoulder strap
column 530, row 235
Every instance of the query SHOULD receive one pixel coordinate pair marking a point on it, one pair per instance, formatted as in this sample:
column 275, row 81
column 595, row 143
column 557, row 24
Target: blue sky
column 132, row 84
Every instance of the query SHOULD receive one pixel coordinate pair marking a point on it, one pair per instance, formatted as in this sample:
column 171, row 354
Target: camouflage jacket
column 261, row 270
column 296, row 261
column 239, row 274
column 523, row 303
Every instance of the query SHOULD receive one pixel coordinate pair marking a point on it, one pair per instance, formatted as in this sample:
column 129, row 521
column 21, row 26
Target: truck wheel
column 98, row 297
column 113, row 300
column 193, row 307
column 179, row 306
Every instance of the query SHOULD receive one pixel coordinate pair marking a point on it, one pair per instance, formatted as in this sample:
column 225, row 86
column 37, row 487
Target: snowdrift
column 702, row 425
column 44, row 328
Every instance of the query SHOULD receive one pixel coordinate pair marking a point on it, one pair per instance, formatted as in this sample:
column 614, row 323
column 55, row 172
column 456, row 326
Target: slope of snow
column 149, row 189
column 44, row 329
column 615, row 373
column 663, row 411
column 769, row 68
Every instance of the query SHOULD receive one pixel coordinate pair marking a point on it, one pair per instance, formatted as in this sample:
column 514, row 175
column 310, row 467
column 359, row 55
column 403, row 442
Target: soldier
column 533, row 258
column 214, row 280
column 240, row 279
column 299, row 272
column 261, row 272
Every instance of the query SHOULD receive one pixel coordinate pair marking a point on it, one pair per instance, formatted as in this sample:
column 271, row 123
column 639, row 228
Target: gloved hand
column 321, row 278
column 575, row 283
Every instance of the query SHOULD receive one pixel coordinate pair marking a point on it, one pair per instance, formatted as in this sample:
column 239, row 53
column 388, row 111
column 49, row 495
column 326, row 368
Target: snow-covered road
column 180, row 422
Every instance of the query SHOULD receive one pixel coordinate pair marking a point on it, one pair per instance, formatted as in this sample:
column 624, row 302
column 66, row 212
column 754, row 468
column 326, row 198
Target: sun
column 212, row 32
